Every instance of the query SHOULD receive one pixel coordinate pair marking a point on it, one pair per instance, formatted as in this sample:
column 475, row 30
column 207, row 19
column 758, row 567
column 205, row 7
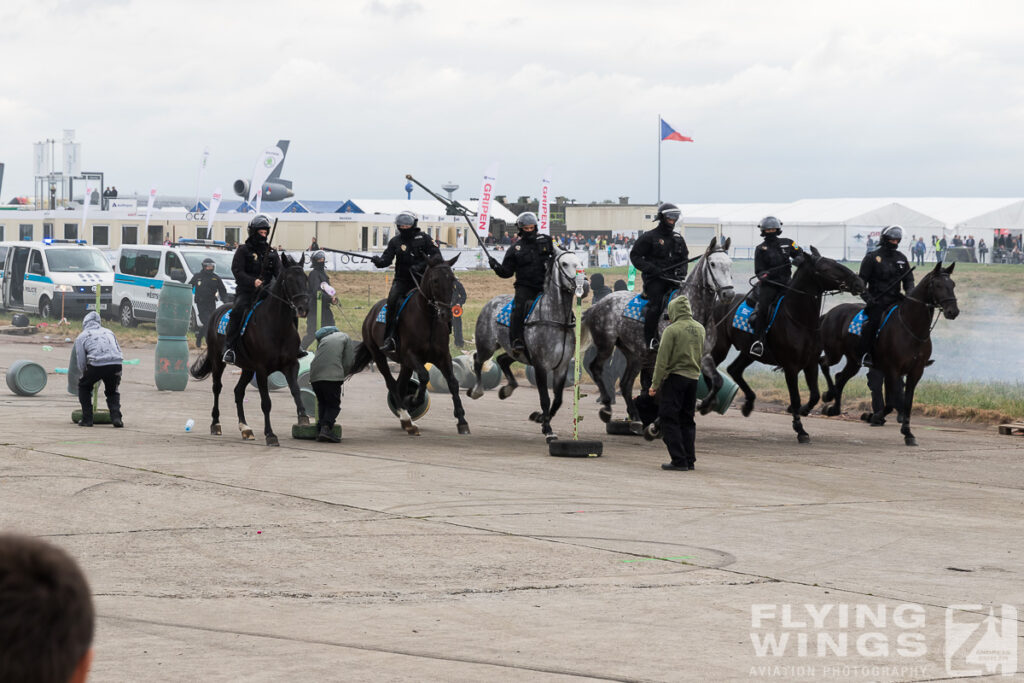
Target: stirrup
column 757, row 348
column 388, row 345
column 229, row 356
column 867, row 361
column 653, row 345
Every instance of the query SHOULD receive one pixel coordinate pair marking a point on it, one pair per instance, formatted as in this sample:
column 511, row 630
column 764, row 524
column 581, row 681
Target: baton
column 894, row 282
column 453, row 204
column 347, row 253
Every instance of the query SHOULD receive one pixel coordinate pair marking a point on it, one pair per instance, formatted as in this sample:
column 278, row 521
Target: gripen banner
column 265, row 165
column 85, row 211
column 545, row 197
column 149, row 205
column 212, row 212
column 483, row 212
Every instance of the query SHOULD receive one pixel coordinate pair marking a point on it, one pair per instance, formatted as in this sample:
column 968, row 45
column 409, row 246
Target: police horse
column 269, row 343
column 549, row 334
column 708, row 284
column 793, row 341
column 903, row 346
column 424, row 326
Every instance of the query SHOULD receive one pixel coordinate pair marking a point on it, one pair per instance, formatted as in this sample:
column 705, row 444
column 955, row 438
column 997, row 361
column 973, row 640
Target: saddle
column 745, row 315
column 382, row 316
column 504, row 314
column 857, row 324
column 636, row 307
column 222, row 324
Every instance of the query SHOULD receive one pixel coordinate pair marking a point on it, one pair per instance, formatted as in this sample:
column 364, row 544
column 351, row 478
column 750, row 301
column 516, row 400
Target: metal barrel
column 490, row 374
column 27, row 378
column 74, row 374
column 418, row 410
column 725, row 395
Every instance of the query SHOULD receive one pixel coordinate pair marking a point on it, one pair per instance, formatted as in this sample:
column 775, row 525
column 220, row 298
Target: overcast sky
column 784, row 99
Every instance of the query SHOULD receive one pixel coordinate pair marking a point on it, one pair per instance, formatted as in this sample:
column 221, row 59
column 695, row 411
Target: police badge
column 878, row 258
column 403, row 247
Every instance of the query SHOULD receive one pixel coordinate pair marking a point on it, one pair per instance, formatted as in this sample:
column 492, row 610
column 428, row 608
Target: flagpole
column 659, row 159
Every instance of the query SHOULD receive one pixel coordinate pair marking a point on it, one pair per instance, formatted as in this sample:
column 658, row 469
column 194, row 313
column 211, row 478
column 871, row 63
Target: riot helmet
column 318, row 259
column 526, row 220
column 891, row 236
column 209, row 263
column 406, row 219
column 668, row 212
column 259, row 222
column 770, row 225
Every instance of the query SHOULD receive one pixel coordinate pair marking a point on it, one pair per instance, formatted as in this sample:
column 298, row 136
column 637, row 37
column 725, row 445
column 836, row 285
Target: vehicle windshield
column 221, row 259
column 76, row 260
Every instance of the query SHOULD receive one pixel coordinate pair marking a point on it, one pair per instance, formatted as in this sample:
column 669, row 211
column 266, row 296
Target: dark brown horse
column 792, row 342
column 424, row 329
column 902, row 349
column 270, row 343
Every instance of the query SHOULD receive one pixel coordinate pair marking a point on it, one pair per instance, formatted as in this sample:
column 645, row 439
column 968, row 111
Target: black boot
column 86, row 420
column 327, row 434
column 115, row 418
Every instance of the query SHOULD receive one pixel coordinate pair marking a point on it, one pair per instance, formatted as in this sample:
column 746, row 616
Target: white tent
column 426, row 209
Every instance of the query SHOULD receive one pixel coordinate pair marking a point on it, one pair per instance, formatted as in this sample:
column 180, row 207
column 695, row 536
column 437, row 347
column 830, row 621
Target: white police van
column 141, row 271
column 55, row 278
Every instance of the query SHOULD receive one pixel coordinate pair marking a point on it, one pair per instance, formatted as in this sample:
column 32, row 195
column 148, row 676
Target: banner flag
column 631, row 278
column 149, row 206
column 670, row 133
column 544, row 226
column 265, row 165
column 85, row 211
column 212, row 211
column 483, row 212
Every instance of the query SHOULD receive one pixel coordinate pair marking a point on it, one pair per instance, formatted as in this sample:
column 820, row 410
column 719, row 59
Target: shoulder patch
column 878, row 258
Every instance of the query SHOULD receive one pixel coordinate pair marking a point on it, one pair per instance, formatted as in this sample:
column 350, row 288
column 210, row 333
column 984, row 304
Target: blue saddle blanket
column 634, row 309
column 857, row 324
column 504, row 315
column 382, row 317
column 222, row 325
column 741, row 319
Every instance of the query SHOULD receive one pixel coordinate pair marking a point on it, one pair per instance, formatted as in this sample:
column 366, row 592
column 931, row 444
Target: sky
column 784, row 100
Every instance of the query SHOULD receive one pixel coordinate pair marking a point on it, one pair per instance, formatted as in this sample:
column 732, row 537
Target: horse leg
column 814, row 395
column 557, row 388
column 908, row 404
column 477, row 390
column 404, row 402
column 793, row 384
column 421, row 390
column 626, row 387
column 218, row 371
column 876, row 416
column 714, row 382
column 736, row 368
column 596, row 369
column 541, row 416
column 293, row 386
column 247, row 375
column 826, row 371
column 453, row 389
column 264, row 387
column 848, row 372
column 505, row 362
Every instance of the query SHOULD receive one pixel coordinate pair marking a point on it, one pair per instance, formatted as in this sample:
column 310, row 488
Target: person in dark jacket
column 317, row 281
column 207, row 286
column 99, row 359
column 598, row 287
column 409, row 249
column 528, row 261
column 661, row 255
column 883, row 270
column 772, row 266
column 255, row 264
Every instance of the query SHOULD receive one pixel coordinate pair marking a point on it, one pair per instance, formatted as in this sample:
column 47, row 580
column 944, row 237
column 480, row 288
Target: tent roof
column 424, row 208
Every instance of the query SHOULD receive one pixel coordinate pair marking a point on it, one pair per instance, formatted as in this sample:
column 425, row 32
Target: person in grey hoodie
column 335, row 356
column 99, row 359
column 675, row 377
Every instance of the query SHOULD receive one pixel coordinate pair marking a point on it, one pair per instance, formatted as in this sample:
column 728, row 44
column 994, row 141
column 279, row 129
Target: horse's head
column 832, row 275
column 718, row 276
column 438, row 283
column 562, row 273
column 294, row 284
column 939, row 288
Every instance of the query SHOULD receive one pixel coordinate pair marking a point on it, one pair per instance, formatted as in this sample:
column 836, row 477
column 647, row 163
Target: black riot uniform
column 883, row 270
column 662, row 256
column 207, row 286
column 409, row 249
column 773, row 259
column 254, row 260
column 317, row 277
column 528, row 261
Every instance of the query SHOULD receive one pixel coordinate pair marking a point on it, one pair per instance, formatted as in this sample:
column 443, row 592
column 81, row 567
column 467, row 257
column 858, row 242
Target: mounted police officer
column 882, row 271
column 773, row 259
column 317, row 278
column 207, row 286
column 528, row 261
column 409, row 249
column 255, row 264
column 661, row 255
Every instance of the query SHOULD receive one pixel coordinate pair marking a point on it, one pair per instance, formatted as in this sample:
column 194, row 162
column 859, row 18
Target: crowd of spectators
column 1005, row 249
column 570, row 241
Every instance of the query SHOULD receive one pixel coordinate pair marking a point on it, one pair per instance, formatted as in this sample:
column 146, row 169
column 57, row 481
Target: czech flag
column 670, row 133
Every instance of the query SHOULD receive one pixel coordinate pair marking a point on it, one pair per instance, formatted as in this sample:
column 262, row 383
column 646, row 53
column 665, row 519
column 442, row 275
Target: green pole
column 96, row 387
column 576, row 369
column 631, row 278
column 316, row 404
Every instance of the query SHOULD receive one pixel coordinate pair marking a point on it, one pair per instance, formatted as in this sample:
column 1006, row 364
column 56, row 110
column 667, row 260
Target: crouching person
column 99, row 359
column 335, row 356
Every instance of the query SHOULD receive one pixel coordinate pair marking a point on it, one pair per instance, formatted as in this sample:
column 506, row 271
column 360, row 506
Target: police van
column 142, row 270
column 55, row 278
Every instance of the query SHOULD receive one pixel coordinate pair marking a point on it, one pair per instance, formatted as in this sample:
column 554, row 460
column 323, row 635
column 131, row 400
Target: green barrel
column 275, row 381
column 308, row 402
column 417, row 411
column 490, row 374
column 174, row 310
column 171, row 371
column 725, row 395
column 26, row 378
column 74, row 374
column 436, row 382
column 304, row 364
column 570, row 377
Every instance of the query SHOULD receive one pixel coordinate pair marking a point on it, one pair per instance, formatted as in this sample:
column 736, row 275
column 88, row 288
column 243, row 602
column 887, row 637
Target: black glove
column 376, row 260
column 654, row 272
column 493, row 263
column 868, row 299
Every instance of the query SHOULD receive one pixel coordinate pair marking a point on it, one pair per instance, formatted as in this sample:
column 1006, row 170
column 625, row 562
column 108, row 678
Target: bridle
column 442, row 309
column 709, row 274
column 282, row 282
column 933, row 304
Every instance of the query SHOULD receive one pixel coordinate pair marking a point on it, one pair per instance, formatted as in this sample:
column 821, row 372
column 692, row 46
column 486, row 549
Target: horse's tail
column 363, row 358
column 202, row 367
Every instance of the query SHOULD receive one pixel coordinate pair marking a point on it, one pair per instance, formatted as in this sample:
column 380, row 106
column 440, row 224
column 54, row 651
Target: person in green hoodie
column 675, row 377
column 335, row 356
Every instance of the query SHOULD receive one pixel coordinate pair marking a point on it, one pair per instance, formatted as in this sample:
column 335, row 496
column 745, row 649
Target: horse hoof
column 747, row 409
column 303, row 420
column 475, row 393
column 215, row 430
column 535, row 416
column 803, row 438
column 605, row 413
column 463, row 429
column 651, row 432
column 272, row 440
column 865, row 417
column 910, row 441
column 705, row 407
column 830, row 411
column 248, row 435
column 829, row 395
column 505, row 392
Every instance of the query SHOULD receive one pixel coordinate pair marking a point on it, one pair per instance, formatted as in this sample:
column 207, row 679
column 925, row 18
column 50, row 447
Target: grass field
column 977, row 375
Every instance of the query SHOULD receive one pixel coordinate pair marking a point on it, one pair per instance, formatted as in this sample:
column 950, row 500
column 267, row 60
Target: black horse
column 792, row 342
column 424, row 327
column 903, row 347
column 270, row 343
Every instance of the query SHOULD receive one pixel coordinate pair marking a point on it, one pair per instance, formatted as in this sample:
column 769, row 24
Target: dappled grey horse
column 708, row 284
column 550, row 338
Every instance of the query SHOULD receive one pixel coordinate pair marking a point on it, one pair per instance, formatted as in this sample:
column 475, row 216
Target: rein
column 934, row 307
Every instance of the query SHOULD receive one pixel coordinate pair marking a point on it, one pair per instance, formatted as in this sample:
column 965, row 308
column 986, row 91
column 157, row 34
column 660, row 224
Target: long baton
column 347, row 253
column 453, row 204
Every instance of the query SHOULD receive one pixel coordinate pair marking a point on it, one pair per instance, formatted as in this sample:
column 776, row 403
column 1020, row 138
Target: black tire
column 127, row 314
column 620, row 428
column 575, row 449
column 45, row 308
